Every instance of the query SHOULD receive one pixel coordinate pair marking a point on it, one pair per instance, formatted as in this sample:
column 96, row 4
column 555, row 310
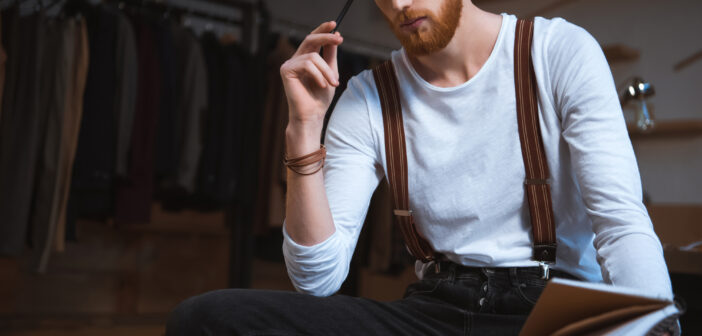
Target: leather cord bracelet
column 295, row 163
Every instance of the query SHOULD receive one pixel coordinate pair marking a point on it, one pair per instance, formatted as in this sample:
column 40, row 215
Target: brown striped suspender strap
column 537, row 174
column 396, row 156
column 537, row 187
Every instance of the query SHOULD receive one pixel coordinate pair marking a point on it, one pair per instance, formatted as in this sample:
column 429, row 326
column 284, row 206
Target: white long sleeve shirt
column 466, row 170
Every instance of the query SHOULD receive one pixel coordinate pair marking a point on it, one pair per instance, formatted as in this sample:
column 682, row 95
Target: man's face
column 422, row 26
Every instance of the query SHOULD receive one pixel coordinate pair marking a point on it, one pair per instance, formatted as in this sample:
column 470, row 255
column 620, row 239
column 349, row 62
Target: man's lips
column 413, row 23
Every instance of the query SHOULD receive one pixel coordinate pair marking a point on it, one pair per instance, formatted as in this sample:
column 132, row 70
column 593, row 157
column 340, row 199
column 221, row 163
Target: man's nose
column 399, row 5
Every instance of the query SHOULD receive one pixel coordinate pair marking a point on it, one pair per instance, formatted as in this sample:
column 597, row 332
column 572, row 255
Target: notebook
column 568, row 307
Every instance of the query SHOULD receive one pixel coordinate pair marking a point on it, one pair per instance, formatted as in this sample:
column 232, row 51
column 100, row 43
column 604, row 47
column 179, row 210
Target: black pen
column 338, row 20
column 341, row 15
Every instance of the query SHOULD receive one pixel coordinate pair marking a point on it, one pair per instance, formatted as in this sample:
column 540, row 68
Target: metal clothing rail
column 181, row 8
column 247, row 22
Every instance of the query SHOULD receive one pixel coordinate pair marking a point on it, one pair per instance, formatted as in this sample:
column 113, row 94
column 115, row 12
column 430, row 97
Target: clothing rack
column 236, row 218
column 169, row 9
column 175, row 8
column 247, row 22
column 180, row 9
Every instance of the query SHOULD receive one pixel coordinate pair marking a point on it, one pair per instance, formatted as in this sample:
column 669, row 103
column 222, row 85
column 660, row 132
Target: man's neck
column 468, row 50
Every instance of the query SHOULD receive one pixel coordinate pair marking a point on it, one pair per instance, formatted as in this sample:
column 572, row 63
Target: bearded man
column 467, row 165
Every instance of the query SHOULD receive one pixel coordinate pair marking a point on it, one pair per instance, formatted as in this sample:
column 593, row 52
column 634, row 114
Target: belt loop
column 514, row 277
column 452, row 273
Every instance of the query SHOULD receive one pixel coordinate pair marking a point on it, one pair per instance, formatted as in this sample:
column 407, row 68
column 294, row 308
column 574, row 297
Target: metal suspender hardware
column 405, row 213
column 544, row 270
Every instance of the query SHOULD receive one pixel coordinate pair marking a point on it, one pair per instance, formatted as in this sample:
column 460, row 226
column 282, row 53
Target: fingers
column 325, row 27
column 330, row 75
column 307, row 64
column 330, row 52
column 312, row 65
column 313, row 71
column 313, row 42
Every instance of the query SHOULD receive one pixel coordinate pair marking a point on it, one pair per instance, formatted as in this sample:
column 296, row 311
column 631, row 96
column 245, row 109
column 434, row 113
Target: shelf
column 668, row 129
column 688, row 61
column 678, row 225
column 618, row 53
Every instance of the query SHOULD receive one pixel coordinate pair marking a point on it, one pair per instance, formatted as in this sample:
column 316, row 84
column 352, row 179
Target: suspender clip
column 544, row 270
column 405, row 213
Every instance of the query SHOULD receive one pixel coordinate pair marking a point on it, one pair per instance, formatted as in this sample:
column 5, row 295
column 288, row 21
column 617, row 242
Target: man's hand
column 310, row 79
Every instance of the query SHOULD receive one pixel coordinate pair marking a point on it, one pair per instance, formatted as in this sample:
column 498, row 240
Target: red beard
column 426, row 40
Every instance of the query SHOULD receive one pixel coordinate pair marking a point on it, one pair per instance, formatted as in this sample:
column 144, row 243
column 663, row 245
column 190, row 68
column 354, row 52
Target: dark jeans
column 456, row 300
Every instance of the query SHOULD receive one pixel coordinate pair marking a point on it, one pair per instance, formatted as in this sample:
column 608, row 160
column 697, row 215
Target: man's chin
column 423, row 48
column 426, row 42
column 420, row 50
column 435, row 33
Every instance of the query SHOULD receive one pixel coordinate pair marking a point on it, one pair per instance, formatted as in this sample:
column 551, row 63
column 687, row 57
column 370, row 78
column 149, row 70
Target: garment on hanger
column 92, row 184
column 20, row 127
column 134, row 195
column 3, row 60
column 207, row 174
column 177, row 190
column 192, row 105
column 272, row 179
column 70, row 128
column 227, row 100
column 251, row 123
column 237, row 105
column 54, row 81
column 242, row 239
column 127, row 66
column 166, row 150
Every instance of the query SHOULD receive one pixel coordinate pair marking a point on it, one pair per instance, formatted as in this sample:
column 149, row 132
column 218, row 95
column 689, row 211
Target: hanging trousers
column 455, row 300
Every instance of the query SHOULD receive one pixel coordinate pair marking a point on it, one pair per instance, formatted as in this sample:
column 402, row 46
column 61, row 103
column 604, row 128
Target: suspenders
column 396, row 155
column 537, row 187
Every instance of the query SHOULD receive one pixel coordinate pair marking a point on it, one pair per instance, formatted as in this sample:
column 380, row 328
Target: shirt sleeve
column 351, row 173
column 593, row 126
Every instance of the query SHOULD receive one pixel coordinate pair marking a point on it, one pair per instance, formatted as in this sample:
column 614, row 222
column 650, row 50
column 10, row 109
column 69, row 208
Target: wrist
column 309, row 123
column 302, row 139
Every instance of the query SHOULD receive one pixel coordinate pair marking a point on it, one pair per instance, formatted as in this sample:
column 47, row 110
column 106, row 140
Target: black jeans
column 454, row 300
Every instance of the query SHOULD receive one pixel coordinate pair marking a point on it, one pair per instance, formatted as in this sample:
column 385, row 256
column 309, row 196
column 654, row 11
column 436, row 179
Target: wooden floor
column 123, row 280
column 154, row 330
column 266, row 275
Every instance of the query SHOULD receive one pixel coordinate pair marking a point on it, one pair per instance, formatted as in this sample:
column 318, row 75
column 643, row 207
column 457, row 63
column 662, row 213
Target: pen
column 338, row 20
column 341, row 15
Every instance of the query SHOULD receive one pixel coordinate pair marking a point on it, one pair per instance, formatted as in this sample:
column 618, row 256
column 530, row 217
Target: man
column 466, row 181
